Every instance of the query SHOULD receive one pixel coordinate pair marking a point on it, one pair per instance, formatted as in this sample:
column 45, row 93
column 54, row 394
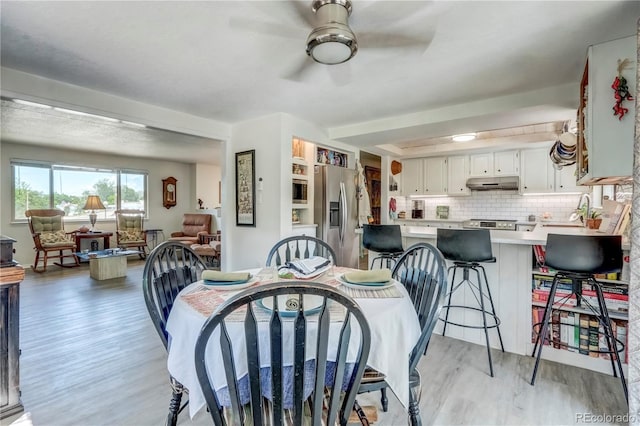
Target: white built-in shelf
column 300, row 206
column 298, row 176
column 601, row 280
column 300, row 161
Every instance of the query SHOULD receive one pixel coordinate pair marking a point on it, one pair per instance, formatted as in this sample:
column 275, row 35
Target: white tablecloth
column 394, row 332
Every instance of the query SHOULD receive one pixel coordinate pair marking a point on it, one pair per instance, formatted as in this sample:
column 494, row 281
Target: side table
column 10, row 279
column 94, row 236
column 154, row 233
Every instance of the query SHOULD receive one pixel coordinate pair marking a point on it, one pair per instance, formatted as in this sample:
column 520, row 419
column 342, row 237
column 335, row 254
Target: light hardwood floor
column 90, row 356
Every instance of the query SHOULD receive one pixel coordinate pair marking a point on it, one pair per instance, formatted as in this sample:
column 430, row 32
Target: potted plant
column 593, row 220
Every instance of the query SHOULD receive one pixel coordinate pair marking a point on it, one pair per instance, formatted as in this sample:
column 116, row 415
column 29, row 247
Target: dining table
column 389, row 311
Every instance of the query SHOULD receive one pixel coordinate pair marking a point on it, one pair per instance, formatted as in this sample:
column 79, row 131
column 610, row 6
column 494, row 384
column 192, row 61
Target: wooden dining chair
column 306, row 378
column 299, row 247
column 422, row 271
column 169, row 268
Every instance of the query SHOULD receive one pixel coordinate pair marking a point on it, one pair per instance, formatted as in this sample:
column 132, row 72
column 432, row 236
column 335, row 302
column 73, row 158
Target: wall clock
column 169, row 192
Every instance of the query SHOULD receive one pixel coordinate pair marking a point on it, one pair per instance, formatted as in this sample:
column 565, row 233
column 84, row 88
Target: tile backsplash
column 496, row 205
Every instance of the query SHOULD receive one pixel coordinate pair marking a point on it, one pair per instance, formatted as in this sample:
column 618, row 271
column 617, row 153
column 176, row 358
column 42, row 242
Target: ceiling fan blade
column 301, row 70
column 304, row 12
column 266, row 28
column 340, row 74
column 374, row 40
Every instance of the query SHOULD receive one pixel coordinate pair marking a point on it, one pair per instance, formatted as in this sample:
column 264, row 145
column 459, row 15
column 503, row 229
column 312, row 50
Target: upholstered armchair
column 130, row 231
column 193, row 225
column 208, row 248
column 50, row 238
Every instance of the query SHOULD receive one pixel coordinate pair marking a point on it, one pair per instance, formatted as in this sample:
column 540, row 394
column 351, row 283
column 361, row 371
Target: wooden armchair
column 193, row 225
column 130, row 231
column 49, row 236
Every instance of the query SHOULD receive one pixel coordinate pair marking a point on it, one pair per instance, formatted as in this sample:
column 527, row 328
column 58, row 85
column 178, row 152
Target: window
column 66, row 187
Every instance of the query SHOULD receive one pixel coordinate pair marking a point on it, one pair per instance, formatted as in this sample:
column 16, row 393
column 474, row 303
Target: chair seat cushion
column 131, row 236
column 54, row 238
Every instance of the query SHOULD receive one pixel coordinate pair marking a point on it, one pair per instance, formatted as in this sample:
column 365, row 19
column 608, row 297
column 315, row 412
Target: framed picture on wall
column 245, row 188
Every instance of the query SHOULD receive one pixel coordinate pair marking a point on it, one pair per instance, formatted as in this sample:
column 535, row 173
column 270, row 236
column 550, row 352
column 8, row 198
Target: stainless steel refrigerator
column 334, row 208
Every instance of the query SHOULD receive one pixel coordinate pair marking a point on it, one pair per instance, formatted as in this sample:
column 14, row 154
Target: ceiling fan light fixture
column 464, row 137
column 332, row 42
column 331, row 48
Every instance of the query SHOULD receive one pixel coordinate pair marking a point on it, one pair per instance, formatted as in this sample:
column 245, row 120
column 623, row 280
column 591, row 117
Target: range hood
column 489, row 183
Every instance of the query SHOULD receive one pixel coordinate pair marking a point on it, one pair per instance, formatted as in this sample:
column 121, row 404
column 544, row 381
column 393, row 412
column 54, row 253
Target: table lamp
column 93, row 203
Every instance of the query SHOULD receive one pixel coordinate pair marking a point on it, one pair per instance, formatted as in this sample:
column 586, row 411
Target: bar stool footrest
column 491, row 314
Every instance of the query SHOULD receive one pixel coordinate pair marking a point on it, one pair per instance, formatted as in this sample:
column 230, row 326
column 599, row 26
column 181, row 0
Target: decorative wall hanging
column 245, row 188
column 169, row 196
column 621, row 90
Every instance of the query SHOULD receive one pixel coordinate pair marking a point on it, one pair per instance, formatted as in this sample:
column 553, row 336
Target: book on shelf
column 584, row 334
column 594, row 337
column 555, row 328
column 565, row 332
column 621, row 335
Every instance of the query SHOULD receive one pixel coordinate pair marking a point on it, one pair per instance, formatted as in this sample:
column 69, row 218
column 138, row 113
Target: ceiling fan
column 331, row 41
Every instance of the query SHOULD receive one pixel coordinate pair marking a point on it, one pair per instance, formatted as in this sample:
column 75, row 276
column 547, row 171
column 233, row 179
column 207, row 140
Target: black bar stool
column 578, row 258
column 467, row 248
column 386, row 240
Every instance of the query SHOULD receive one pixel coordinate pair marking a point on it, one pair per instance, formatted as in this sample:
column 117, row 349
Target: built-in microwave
column 299, row 193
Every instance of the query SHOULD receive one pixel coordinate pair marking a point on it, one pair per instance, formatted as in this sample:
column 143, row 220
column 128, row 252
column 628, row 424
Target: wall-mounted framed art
column 246, row 188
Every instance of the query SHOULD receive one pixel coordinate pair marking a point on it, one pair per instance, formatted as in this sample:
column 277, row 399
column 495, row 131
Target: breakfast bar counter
column 510, row 279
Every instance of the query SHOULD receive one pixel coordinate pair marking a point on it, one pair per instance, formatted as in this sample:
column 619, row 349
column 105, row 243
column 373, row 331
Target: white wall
column 207, row 179
column 244, row 246
column 169, row 220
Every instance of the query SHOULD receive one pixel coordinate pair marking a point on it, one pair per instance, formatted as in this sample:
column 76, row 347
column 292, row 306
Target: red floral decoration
column 621, row 90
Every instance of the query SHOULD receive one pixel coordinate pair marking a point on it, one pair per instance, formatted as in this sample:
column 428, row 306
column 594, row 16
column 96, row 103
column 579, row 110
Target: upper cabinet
column 506, row 163
column 435, row 176
column 413, row 176
column 457, row 175
column 502, row 163
column 605, row 140
column 481, row 164
column 539, row 176
column 536, row 171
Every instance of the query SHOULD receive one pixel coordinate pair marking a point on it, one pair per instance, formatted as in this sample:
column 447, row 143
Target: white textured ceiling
column 234, row 60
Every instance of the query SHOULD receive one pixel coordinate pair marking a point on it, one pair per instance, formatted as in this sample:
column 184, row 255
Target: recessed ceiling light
column 34, row 104
column 465, row 137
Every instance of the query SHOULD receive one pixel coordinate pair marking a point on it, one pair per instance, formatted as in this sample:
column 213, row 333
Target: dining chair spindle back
column 169, row 268
column 321, row 382
column 422, row 271
column 299, row 247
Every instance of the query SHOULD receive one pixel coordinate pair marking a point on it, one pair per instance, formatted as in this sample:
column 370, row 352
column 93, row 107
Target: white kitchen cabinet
column 457, row 175
column 536, row 171
column 481, row 165
column 506, row 163
column 605, row 142
column 501, row 163
column 413, row 176
column 435, row 176
column 565, row 180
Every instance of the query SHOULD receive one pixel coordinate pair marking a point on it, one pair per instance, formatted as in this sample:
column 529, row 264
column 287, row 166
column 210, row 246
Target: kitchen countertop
column 536, row 237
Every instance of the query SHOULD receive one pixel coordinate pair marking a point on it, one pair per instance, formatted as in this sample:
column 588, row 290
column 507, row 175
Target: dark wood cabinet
column 10, row 279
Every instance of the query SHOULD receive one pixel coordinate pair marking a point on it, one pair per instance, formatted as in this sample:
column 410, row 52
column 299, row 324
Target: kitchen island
column 510, row 279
